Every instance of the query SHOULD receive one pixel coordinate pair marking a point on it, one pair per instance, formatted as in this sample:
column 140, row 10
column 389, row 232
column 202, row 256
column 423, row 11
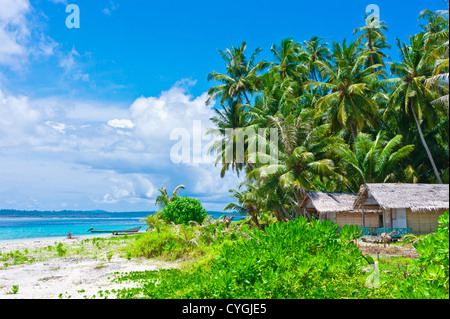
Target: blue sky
column 86, row 114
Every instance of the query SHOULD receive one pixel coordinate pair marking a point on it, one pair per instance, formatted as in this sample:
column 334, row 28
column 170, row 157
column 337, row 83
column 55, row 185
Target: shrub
column 429, row 274
column 182, row 210
column 295, row 259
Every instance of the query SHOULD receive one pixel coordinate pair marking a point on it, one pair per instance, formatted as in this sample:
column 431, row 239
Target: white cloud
column 60, row 127
column 70, row 63
column 14, row 32
column 113, row 6
column 19, row 122
column 59, row 1
column 98, row 136
column 124, row 123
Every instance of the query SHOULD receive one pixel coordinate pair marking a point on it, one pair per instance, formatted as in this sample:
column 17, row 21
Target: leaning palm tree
column 241, row 75
column 163, row 199
column 410, row 94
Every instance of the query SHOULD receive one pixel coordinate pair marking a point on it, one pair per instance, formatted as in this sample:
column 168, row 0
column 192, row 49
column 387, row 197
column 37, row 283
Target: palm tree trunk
column 245, row 94
column 369, row 37
column 425, row 144
column 255, row 219
column 354, row 131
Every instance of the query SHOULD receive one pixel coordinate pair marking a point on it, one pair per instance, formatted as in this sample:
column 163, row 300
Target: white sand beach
column 65, row 277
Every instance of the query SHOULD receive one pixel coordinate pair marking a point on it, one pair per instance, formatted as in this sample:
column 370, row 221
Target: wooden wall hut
column 416, row 206
column 337, row 207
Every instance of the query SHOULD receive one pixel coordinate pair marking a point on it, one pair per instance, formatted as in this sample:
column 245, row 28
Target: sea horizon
column 17, row 225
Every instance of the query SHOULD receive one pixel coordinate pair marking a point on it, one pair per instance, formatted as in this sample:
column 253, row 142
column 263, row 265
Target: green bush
column 429, row 274
column 295, row 259
column 182, row 210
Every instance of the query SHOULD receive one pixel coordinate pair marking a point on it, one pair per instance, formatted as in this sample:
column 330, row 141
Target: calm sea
column 17, row 225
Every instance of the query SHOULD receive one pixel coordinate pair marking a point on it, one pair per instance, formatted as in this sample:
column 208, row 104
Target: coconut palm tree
column 300, row 157
column 226, row 123
column 163, row 199
column 347, row 104
column 249, row 203
column 372, row 33
column 436, row 30
column 410, row 95
column 316, row 51
column 436, row 42
column 374, row 160
column 289, row 58
column 241, row 75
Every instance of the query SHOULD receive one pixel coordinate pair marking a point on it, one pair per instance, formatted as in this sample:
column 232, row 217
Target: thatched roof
column 327, row 202
column 417, row 197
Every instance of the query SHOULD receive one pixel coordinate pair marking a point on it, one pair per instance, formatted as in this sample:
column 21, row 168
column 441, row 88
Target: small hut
column 337, row 207
column 402, row 206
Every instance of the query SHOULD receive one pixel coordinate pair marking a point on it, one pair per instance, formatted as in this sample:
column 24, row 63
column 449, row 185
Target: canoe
column 114, row 232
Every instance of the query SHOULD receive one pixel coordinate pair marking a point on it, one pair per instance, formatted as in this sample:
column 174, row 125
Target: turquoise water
column 16, row 225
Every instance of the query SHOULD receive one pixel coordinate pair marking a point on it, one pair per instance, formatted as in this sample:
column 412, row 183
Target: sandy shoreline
column 31, row 243
column 75, row 277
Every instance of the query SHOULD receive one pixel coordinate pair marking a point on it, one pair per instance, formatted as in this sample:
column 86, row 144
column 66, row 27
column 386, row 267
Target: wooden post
column 363, row 217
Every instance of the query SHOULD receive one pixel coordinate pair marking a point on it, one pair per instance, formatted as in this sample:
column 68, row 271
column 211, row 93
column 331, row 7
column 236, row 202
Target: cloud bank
column 126, row 148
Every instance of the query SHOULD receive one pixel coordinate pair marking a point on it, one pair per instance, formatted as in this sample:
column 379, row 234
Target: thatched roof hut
column 416, row 197
column 328, row 202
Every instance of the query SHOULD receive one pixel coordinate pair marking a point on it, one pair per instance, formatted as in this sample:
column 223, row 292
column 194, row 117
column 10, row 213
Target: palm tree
column 240, row 78
column 289, row 58
column 372, row 32
column 436, row 42
column 249, row 202
column 227, row 121
column 277, row 94
column 410, row 94
column 300, row 157
column 347, row 103
column 163, row 199
column 316, row 51
column 374, row 161
column 436, row 30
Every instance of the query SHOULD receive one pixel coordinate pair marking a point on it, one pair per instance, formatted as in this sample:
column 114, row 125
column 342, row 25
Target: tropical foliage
column 296, row 259
column 182, row 210
column 323, row 117
column 344, row 114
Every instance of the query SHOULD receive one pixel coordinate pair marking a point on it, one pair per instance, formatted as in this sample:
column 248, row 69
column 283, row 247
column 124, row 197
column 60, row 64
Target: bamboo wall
column 371, row 219
column 423, row 222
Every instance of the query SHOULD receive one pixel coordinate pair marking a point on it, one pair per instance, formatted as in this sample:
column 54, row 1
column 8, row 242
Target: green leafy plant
column 430, row 272
column 182, row 210
column 295, row 259
column 14, row 289
column 61, row 251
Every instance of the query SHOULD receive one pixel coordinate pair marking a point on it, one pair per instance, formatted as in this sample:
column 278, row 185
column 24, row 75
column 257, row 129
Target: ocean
column 21, row 225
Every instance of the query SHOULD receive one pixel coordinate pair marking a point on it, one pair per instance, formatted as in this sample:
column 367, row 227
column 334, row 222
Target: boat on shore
column 114, row 232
